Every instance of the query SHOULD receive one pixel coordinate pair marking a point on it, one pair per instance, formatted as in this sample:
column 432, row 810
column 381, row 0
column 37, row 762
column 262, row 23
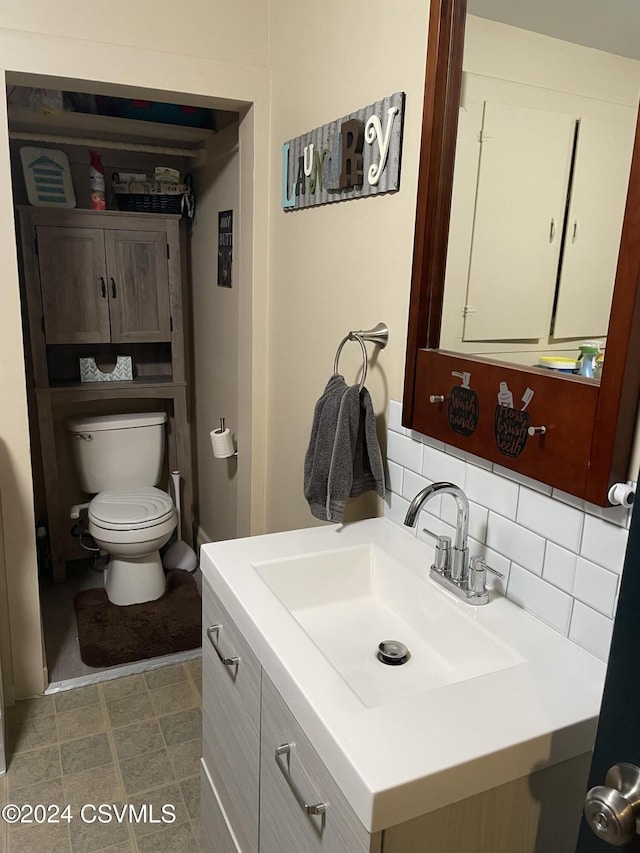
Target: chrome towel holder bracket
column 379, row 336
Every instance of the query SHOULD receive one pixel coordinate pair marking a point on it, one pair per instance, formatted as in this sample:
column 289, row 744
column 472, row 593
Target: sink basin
column 349, row 600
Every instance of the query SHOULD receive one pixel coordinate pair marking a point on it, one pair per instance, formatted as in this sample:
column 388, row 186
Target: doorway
column 214, row 158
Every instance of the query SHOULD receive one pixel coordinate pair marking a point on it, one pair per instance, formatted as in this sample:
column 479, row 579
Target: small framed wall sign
column 225, row 247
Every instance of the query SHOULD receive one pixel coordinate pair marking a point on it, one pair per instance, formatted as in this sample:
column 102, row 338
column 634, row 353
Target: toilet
column 119, row 460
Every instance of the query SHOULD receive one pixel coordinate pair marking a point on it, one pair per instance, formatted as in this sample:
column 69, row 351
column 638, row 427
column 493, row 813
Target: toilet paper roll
column 222, row 443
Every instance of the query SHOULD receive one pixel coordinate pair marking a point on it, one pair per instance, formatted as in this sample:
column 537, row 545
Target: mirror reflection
column 546, row 127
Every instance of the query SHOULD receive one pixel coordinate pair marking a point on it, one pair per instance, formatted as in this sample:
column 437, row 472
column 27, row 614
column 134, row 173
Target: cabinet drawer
column 284, row 824
column 217, row 837
column 231, row 719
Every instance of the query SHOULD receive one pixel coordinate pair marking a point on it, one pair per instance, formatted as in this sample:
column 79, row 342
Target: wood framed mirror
column 570, row 432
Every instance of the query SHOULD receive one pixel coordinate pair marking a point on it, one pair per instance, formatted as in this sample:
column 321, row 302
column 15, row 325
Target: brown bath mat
column 110, row 634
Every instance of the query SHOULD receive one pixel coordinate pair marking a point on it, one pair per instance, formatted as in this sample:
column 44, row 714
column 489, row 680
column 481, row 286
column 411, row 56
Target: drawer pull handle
column 215, row 629
column 314, row 808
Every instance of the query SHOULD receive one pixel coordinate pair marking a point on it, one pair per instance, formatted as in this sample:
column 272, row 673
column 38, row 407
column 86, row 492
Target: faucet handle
column 478, row 574
column 442, row 559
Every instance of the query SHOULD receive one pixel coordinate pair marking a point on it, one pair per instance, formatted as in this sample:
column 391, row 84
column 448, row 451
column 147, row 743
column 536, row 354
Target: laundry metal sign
column 352, row 157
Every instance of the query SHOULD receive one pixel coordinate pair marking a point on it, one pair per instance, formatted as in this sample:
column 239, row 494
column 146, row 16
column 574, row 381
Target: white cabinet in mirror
column 542, row 166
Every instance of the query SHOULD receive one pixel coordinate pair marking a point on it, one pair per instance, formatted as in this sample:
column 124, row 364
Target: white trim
column 124, row 669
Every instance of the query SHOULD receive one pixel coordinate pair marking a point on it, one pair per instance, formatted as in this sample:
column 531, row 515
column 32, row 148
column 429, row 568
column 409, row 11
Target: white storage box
column 90, row 372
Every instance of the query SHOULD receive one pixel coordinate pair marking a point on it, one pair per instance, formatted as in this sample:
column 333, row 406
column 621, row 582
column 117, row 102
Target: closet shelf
column 108, row 129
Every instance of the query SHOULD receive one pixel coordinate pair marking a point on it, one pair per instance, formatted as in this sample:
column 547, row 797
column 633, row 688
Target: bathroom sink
column 349, row 600
column 488, row 692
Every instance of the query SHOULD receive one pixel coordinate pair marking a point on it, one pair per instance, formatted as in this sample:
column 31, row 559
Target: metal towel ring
column 353, row 336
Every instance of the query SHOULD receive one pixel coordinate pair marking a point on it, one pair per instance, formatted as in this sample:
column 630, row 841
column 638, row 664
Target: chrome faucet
column 452, row 567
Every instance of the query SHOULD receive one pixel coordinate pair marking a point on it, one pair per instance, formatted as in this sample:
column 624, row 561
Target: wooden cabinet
column 247, row 801
column 102, row 284
column 215, row 827
column 291, row 779
column 231, row 720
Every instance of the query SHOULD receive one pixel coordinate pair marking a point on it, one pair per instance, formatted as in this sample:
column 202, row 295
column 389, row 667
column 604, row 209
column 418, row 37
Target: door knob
column 612, row 810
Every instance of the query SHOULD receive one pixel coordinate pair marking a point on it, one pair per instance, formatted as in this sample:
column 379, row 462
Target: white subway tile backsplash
column 414, row 483
column 404, row 451
column 565, row 498
column 395, row 477
column 520, row 478
column 531, row 592
column 603, row 543
column 618, row 515
column 395, row 417
column 426, row 439
column 559, row 567
column 596, row 586
column 471, row 458
column 561, row 557
column 591, row 630
column 439, row 466
column 478, row 517
column 494, row 492
column 515, row 542
column 395, row 509
column 558, row 522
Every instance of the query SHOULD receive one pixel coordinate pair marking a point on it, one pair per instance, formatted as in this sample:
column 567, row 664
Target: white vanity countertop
column 399, row 760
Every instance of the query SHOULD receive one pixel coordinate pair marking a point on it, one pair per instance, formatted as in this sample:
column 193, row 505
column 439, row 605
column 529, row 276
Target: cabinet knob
column 113, row 288
column 541, row 430
column 103, row 287
column 437, row 398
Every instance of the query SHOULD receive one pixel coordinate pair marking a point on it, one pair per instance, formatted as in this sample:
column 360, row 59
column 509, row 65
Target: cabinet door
column 594, row 226
column 73, row 285
column 523, row 177
column 231, row 720
column 138, row 286
column 284, row 825
column 217, row 835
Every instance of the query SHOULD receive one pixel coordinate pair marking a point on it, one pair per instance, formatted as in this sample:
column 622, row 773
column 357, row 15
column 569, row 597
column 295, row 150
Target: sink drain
column 393, row 652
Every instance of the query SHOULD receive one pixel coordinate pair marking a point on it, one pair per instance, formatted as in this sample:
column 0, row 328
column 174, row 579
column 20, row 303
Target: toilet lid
column 135, row 509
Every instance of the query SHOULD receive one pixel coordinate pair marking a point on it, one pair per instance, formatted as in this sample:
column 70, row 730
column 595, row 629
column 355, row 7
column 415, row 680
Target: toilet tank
column 114, row 452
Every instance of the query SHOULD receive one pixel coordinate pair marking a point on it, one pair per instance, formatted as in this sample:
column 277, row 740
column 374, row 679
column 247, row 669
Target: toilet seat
column 136, row 509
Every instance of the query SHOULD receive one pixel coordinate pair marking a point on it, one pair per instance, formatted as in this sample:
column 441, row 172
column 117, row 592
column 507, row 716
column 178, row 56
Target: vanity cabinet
column 102, row 285
column 264, row 784
column 293, row 778
column 231, row 721
column 245, row 721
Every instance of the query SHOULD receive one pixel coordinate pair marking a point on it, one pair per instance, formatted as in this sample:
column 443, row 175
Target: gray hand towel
column 343, row 458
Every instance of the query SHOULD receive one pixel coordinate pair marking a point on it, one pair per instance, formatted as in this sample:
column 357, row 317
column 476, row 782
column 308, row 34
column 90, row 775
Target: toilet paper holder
column 222, row 442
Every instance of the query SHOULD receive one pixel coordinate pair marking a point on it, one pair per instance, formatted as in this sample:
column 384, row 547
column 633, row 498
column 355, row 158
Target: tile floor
column 134, row 740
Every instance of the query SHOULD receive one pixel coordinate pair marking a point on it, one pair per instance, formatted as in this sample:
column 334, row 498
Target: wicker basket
column 152, row 196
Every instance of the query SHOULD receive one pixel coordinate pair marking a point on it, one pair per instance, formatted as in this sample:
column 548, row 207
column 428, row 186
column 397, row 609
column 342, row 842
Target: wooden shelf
column 24, row 120
column 149, row 387
column 143, row 381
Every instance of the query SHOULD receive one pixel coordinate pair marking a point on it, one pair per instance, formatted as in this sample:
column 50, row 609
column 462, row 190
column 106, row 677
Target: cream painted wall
column 214, row 55
column 228, row 32
column 215, row 336
column 346, row 265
